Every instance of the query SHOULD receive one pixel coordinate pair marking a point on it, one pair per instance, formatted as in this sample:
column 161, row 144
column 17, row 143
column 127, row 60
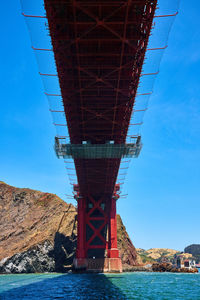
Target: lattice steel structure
column 99, row 48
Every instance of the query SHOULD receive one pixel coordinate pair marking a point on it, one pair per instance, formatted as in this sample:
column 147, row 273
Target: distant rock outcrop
column 38, row 233
column 194, row 249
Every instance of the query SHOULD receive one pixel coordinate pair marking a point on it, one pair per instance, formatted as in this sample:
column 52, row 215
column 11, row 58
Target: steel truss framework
column 99, row 48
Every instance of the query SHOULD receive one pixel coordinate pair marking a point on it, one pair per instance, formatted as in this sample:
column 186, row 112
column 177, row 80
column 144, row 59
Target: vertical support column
column 113, row 251
column 115, row 264
column 80, row 261
column 80, row 252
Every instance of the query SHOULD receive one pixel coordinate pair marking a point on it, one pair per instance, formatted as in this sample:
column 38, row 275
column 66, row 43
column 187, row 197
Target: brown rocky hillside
column 158, row 254
column 38, row 232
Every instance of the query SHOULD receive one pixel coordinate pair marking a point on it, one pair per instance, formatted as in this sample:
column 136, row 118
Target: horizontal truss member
column 97, row 151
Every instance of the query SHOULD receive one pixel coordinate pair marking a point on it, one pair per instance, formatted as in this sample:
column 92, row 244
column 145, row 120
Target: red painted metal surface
column 99, row 49
column 97, row 226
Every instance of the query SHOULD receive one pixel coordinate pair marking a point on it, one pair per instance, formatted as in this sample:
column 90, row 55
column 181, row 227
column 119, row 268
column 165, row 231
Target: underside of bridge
column 99, row 48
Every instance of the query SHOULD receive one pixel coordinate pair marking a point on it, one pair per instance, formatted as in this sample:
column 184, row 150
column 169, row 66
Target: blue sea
column 137, row 285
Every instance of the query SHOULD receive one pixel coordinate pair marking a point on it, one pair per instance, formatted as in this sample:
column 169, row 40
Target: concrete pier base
column 80, row 264
column 102, row 265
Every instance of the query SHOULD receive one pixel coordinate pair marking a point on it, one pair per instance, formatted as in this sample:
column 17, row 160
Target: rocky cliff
column 38, row 232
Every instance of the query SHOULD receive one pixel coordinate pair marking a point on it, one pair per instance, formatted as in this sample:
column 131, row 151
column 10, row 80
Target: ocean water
column 136, row 285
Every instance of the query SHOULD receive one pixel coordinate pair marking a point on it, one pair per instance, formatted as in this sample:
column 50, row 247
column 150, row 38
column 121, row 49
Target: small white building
column 185, row 263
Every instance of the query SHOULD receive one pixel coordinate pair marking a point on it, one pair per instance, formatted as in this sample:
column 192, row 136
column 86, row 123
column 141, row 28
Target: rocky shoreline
column 167, row 267
column 41, row 259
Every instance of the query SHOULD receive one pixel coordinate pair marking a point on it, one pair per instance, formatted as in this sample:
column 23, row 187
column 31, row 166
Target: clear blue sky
column 162, row 208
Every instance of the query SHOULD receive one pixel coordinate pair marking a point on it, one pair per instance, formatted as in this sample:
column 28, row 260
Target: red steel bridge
column 99, row 48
